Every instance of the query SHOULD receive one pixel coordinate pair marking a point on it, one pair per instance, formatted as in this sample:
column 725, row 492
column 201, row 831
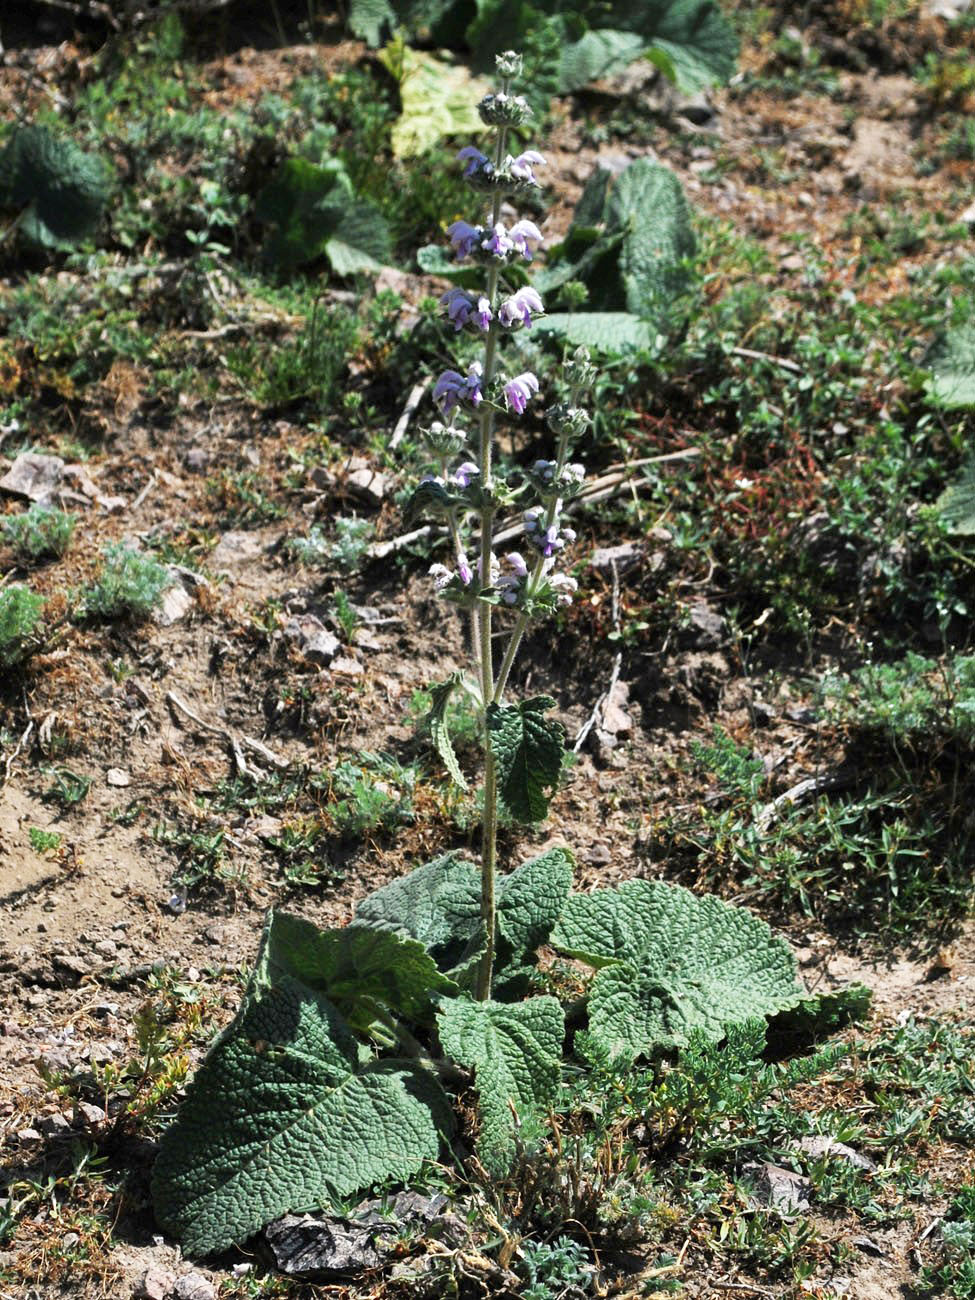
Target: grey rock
column 776, row 1188
column 818, row 1146
column 312, row 638
column 33, row 476
column 156, row 1284
column 624, row 556
column 54, row 1125
column 367, row 484
column 194, row 1286
column 176, row 603
column 197, row 460
column 315, row 1247
column 89, row 1114
column 235, row 548
column 706, row 624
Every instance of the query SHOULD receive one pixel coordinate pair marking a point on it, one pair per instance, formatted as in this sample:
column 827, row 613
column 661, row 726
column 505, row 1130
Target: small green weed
column 910, row 702
column 67, row 788
column 373, row 795
column 20, row 624
column 302, row 855
column 130, row 586
column 346, row 617
column 306, row 368
column 346, row 549
column 954, row 1275
column 38, row 533
column 202, row 856
column 42, row 841
column 555, row 1269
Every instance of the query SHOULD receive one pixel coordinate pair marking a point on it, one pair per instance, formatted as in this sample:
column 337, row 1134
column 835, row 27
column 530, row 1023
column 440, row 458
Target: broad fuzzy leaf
column 530, row 900
column 438, row 904
column 597, row 54
column 956, row 504
column 282, row 1116
column 699, row 40
column 439, row 99
column 355, row 968
column 609, row 331
column 63, row 189
column 647, row 201
column 670, row 962
column 367, row 18
column 952, row 363
column 528, row 751
column 436, row 720
column 514, row 1051
column 313, row 212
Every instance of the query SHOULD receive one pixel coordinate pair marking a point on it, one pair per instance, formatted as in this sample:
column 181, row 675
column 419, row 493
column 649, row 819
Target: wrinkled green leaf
column 670, row 962
column 367, row 18
column 647, row 202
column 952, row 364
column 956, row 504
column 436, row 720
column 528, row 751
column 312, row 212
column 609, row 331
column 437, row 904
column 597, row 54
column 282, row 1116
column 61, row 190
column 514, row 1051
column 355, row 968
column 530, row 900
column 439, row 99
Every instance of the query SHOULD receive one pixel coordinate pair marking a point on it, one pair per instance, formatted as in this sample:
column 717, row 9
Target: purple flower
column 517, row 310
column 521, row 167
column 516, row 560
column 459, row 307
column 464, row 570
column 463, row 237
column 440, row 574
column 520, row 233
column 464, row 473
column 519, row 390
column 452, row 388
column 483, row 314
column 498, row 242
column 474, row 158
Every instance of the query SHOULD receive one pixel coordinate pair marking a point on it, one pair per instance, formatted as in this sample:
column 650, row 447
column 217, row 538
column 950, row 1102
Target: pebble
column 156, row 1284
column 194, row 1286
column 92, row 1115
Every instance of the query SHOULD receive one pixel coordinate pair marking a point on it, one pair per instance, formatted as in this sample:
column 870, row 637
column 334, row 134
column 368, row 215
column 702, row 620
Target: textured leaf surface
column 439, row 99
column 355, row 968
column 609, row 331
column 952, row 362
column 281, row 1116
column 597, row 54
column 514, row 1051
column 437, row 722
column 647, row 201
column 699, row 40
column 531, row 898
column 438, row 904
column 672, row 962
column 367, row 18
column 528, row 750
column 63, row 189
column 957, row 503
column 312, row 211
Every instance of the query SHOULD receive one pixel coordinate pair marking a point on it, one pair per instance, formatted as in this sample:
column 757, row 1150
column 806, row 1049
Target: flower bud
column 504, row 110
column 578, row 371
column 568, row 421
column 444, row 441
column 509, row 64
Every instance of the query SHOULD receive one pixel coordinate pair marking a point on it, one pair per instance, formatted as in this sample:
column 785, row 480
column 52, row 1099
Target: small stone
column 72, row 966
column 818, row 1146
column 779, row 1189
column 597, row 855
column 54, row 1125
column 312, row 638
column 194, row 1286
column 197, row 460
column 346, row 667
column 28, row 1137
column 235, row 548
column 322, row 478
column 107, row 947
column 707, row 625
column 215, row 934
column 70, row 1239
column 624, row 556
column 118, row 777
column 175, row 604
column 157, row 1283
column 367, row 484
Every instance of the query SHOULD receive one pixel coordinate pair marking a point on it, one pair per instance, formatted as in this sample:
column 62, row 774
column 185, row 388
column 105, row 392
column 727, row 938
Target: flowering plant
column 334, row 1075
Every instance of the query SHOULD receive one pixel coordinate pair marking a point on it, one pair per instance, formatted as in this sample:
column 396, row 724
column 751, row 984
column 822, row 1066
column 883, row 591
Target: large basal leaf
column 438, row 904
column 514, row 1051
column 528, row 751
column 609, row 331
column 355, row 968
column 282, row 1116
column 439, row 99
column 367, row 18
column 956, row 504
column 61, row 189
column 952, row 363
column 530, row 900
column 695, row 35
column 670, row 962
column 597, row 54
column 647, row 202
column 313, row 212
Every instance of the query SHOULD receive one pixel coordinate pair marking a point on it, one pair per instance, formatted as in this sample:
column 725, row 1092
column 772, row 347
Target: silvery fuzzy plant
column 337, row 1072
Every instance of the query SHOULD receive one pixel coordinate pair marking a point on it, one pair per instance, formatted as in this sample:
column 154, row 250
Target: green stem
column 489, row 821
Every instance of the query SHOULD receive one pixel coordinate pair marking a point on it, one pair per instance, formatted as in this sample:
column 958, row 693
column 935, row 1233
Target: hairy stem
column 489, row 823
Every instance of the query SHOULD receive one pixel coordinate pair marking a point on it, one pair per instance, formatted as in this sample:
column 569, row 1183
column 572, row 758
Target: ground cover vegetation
column 727, row 697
